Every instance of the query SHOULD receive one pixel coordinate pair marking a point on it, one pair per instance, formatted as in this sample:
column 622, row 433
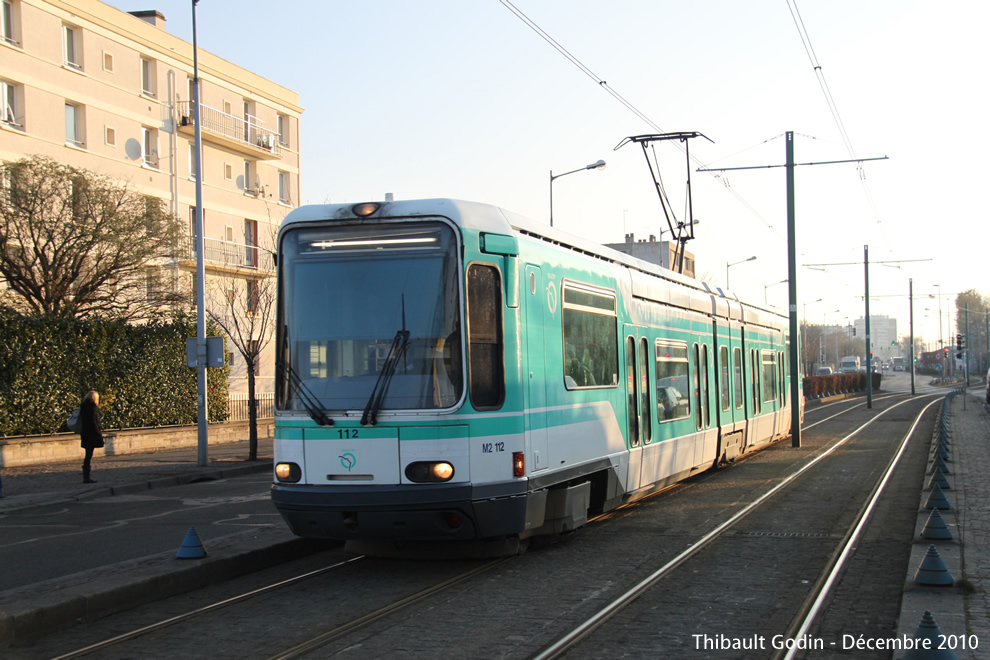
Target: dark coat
column 92, row 432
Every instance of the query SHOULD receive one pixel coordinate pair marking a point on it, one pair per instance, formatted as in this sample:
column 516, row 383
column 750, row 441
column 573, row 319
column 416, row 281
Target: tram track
column 420, row 599
column 809, row 609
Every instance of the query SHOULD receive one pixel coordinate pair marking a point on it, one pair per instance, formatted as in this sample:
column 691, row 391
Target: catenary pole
column 869, row 348
column 792, row 296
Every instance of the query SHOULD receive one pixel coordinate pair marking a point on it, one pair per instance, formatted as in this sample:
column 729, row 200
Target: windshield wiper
column 305, row 395
column 399, row 344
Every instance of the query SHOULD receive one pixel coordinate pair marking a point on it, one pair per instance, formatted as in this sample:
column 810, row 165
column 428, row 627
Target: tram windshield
column 345, row 294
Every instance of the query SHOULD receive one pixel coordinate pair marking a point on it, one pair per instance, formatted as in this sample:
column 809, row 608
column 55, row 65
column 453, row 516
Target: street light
column 680, row 225
column 767, row 286
column 734, row 264
column 598, row 165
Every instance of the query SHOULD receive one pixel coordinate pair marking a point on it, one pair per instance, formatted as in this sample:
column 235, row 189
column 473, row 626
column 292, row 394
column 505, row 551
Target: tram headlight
column 288, row 472
column 429, row 471
column 365, row 209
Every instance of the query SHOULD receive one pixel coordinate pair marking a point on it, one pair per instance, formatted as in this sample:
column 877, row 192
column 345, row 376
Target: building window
column 108, row 62
column 192, row 224
column 251, row 243
column 149, row 86
column 71, row 47
column 283, row 188
column 252, row 296
column 8, row 104
column 228, row 171
column 73, row 125
column 149, row 147
column 251, row 183
column 283, row 130
column 193, row 167
column 7, row 26
column 110, row 136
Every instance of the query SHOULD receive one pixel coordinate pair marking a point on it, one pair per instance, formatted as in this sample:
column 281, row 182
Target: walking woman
column 92, row 432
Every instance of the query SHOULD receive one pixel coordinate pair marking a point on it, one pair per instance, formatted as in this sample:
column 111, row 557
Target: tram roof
column 490, row 218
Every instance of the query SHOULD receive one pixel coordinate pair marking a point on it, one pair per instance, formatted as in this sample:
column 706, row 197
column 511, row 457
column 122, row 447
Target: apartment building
column 95, row 87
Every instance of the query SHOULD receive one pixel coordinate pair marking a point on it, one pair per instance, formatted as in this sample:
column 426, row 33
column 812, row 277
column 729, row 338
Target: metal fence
column 239, row 407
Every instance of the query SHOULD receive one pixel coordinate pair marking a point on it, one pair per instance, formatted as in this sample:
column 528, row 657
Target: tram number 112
column 489, row 447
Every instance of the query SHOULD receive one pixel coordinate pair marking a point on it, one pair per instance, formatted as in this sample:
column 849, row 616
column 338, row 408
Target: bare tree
column 244, row 308
column 74, row 243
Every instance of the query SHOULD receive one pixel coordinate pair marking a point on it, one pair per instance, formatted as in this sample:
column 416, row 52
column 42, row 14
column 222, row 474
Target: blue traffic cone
column 937, row 500
column 928, row 629
column 192, row 547
column 938, row 479
column 939, row 465
column 936, row 528
column 932, row 570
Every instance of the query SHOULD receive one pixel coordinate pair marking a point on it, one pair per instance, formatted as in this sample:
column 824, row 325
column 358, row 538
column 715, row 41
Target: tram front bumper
column 436, row 512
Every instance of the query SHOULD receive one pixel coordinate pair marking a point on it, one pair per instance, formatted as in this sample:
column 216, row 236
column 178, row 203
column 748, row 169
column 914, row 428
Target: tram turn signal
column 288, row 472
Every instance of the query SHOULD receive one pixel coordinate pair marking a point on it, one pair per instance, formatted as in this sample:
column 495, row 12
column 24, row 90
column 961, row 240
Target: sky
column 461, row 98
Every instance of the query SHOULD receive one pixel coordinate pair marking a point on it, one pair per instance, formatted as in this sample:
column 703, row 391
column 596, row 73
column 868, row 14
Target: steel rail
column 325, row 638
column 813, row 603
column 585, row 628
column 203, row 610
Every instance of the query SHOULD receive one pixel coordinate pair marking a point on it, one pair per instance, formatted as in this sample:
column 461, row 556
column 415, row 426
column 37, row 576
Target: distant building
column 883, row 336
column 661, row 253
column 95, row 87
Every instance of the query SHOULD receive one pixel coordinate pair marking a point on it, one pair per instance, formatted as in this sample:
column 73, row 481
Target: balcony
column 219, row 256
column 245, row 136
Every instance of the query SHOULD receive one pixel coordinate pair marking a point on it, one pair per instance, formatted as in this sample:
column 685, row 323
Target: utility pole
column 869, row 349
column 795, row 374
column 911, row 326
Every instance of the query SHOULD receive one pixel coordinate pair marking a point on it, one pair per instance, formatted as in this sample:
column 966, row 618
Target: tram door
column 639, row 413
column 535, row 416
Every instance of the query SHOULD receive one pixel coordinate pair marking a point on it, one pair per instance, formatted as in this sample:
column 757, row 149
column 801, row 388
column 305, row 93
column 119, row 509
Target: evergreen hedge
column 48, row 364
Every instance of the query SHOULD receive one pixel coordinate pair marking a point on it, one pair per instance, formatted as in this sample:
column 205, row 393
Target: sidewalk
column 29, row 612
column 961, row 611
column 37, row 485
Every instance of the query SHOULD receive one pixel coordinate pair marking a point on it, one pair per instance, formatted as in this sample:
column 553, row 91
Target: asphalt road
column 57, row 540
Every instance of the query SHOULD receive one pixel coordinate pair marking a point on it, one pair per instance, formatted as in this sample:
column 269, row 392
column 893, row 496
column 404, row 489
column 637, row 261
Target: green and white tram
column 448, row 370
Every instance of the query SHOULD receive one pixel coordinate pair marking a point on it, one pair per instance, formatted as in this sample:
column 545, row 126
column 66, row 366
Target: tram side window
column 755, row 374
column 782, row 390
column 723, row 385
column 737, row 386
column 768, row 359
column 590, row 338
column 703, row 392
column 673, row 390
column 484, row 308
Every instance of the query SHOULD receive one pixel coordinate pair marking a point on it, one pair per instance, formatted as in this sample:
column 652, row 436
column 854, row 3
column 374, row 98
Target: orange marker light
column 518, row 464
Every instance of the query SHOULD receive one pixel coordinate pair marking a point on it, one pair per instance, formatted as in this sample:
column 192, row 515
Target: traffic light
column 960, row 345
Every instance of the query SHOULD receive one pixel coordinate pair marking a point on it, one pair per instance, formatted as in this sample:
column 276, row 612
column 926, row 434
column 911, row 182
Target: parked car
column 824, row 371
